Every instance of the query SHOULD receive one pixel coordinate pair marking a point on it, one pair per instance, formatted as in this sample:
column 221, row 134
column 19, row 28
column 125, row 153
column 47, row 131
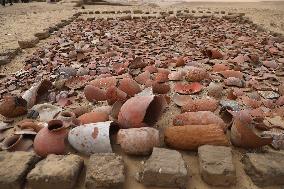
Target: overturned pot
column 138, row 141
column 190, row 137
column 51, row 139
column 141, row 111
column 91, row 138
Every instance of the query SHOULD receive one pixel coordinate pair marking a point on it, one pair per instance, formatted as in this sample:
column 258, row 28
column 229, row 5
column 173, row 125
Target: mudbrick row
column 186, row 83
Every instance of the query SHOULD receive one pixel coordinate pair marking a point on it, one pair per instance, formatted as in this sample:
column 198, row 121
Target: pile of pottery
column 106, row 82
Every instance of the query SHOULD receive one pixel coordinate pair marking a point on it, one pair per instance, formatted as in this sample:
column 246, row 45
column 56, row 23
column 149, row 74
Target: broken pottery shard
column 140, row 111
column 138, row 141
column 244, row 134
column 33, row 95
column 268, row 94
column 196, row 74
column 13, row 107
column 164, row 168
column 190, row 137
column 91, row 138
column 105, row 170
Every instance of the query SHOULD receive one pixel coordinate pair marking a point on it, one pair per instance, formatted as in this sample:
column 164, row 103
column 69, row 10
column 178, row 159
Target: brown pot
column 50, row 140
column 243, row 133
column 190, row 137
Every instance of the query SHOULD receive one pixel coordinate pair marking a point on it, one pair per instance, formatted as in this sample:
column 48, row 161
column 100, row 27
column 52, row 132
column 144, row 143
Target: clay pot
column 143, row 77
column 161, row 77
column 220, row 67
column 91, row 138
column 16, row 143
column 13, row 107
column 114, row 94
column 204, row 104
column 196, row 74
column 30, row 124
column 32, row 96
column 50, row 140
column 243, row 133
column 67, row 118
column 236, row 82
column 93, row 93
column 190, row 137
column 215, row 90
column 160, row 88
column 191, row 88
column 141, row 111
column 198, row 118
column 129, row 86
column 138, row 141
column 80, row 110
column 93, row 117
column 151, row 69
column 176, row 76
column 180, row 62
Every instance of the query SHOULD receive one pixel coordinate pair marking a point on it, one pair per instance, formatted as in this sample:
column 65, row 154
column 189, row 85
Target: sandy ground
column 22, row 20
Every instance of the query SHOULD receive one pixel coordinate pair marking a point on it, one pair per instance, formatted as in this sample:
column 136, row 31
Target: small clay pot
column 50, row 140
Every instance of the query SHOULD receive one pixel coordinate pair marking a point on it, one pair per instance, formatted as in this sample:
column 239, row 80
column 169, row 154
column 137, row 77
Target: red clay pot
column 50, row 140
column 203, row 104
column 180, row 62
column 129, row 86
column 196, row 74
column 104, row 82
column 143, row 77
column 93, row 93
column 114, row 94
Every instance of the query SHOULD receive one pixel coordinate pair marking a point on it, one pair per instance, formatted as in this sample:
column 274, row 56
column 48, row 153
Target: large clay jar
column 50, row 140
column 190, row 137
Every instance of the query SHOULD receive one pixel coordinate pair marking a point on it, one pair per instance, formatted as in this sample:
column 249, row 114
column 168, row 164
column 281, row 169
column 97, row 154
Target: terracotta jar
column 50, row 140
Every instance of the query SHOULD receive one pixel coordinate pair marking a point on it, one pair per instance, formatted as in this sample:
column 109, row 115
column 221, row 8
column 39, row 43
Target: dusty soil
column 25, row 19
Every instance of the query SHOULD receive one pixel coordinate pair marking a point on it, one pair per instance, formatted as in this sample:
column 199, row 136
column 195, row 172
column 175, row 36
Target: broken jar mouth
column 55, row 125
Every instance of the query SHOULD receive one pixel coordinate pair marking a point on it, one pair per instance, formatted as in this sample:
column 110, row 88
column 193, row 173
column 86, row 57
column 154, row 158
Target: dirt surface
column 25, row 19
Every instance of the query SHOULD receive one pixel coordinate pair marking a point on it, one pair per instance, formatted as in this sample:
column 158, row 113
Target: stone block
column 105, row 170
column 28, row 42
column 216, row 165
column 265, row 169
column 164, row 168
column 55, row 172
column 42, row 35
column 14, row 166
